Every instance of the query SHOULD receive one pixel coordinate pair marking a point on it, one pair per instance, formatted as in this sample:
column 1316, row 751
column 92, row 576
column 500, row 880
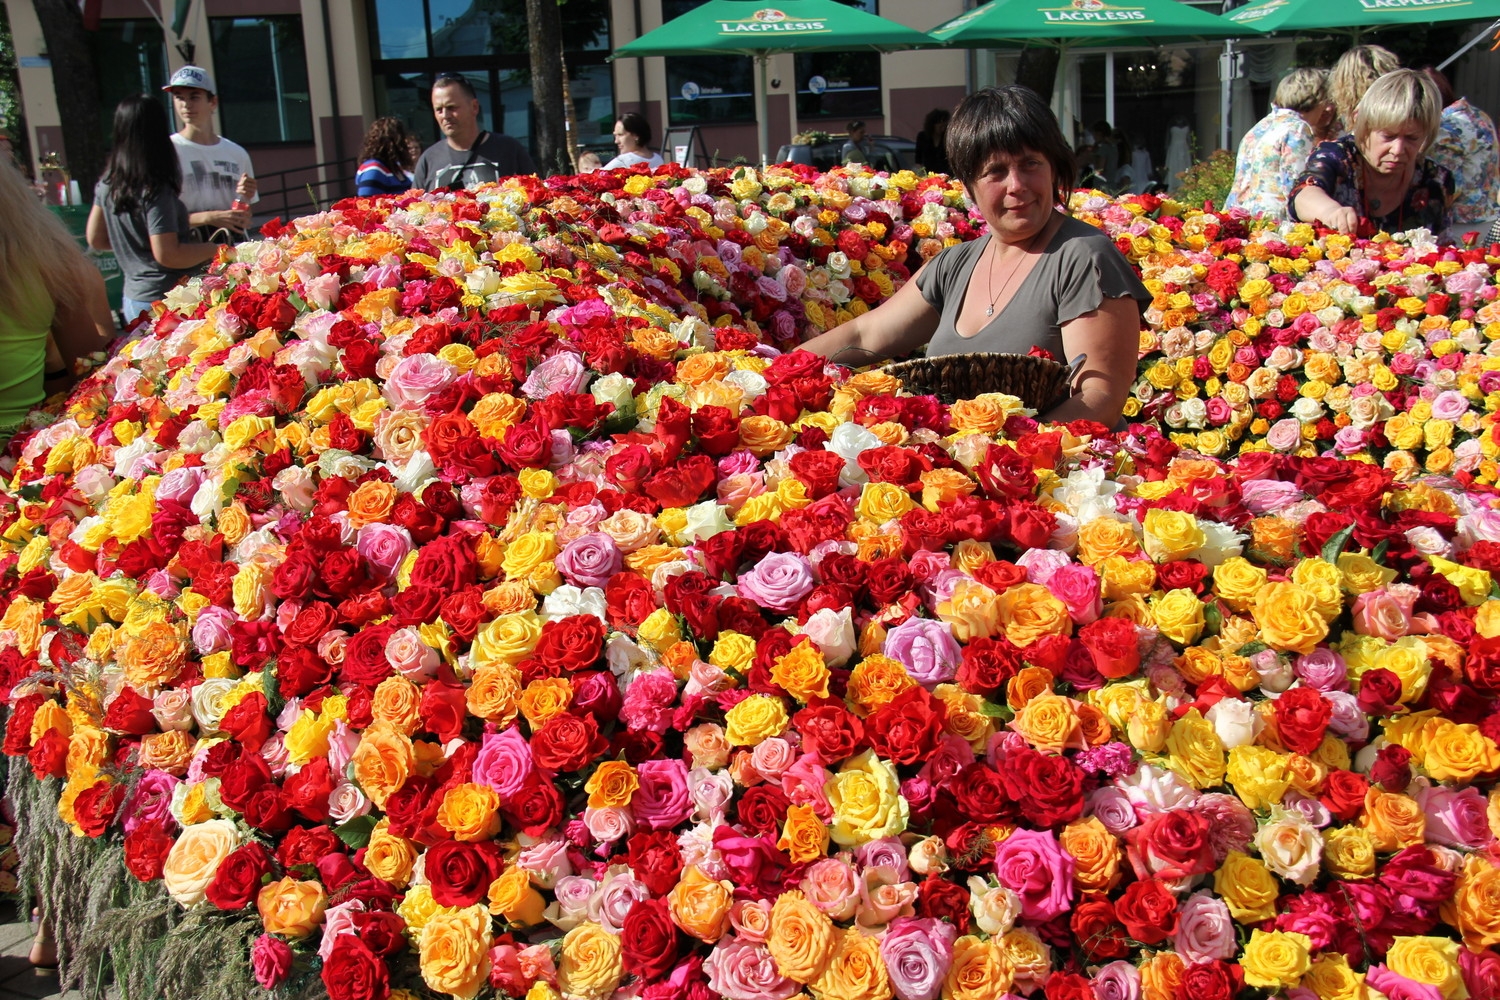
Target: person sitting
column 1274, row 153
column 53, row 306
column 633, row 140
column 588, row 162
column 1377, row 178
column 932, row 153
column 385, row 159
column 1465, row 146
column 1041, row 279
column 857, row 149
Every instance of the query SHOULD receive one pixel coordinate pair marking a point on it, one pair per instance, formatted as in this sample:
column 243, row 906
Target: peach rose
column 195, row 858
column 292, row 908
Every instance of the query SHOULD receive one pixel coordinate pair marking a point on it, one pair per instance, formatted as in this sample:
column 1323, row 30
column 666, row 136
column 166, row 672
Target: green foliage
column 10, row 91
column 1207, row 180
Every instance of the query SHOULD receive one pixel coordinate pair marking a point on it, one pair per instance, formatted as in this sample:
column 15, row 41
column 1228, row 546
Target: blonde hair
column 1353, row 74
column 35, row 246
column 1302, row 89
column 1397, row 98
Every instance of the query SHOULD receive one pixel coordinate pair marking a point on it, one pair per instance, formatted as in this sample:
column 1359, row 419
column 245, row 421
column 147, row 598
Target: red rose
column 1148, row 910
column 888, row 579
column 464, row 612
column 763, row 809
column 310, row 624
column 683, row 483
column 95, row 807
column 1171, row 845
column 446, row 564
column 266, row 810
column 307, row 791
column 573, row 643
column 1379, row 692
column 365, row 661
column 461, row 873
column 939, row 899
column 655, row 859
column 237, row 882
column 383, row 932
column 628, row 599
column 1210, row 981
column 443, row 709
column 818, row 471
column 1027, row 525
column 300, row 671
column 146, row 850
column 354, row 972
column 1006, row 474
column 1319, row 528
column 979, row 793
column 649, row 940
column 248, row 722
column 988, row 664
column 1097, row 931
column 1344, row 794
column 1068, row 986
column 1048, row 787
column 243, row 777
column 1302, row 716
column 629, row 467
column 18, row 726
column 717, row 430
column 830, row 730
column 907, row 729
column 597, row 693
column 1392, row 768
column 304, row 845
column 1183, row 574
column 534, row 808
column 890, row 464
column 568, row 742
column 1111, row 643
column 49, row 756
column 130, row 714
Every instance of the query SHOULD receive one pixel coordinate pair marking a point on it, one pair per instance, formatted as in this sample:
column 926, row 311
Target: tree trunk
column 1038, row 70
column 544, row 28
column 77, row 88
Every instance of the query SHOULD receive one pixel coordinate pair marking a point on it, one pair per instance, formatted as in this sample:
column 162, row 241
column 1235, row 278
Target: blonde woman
column 1379, row 177
column 49, row 291
column 1274, row 153
column 1351, row 77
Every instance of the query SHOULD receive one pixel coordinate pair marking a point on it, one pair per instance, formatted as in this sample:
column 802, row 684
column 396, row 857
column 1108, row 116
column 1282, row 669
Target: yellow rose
column 1258, row 776
column 866, row 800
column 804, row 836
column 1195, row 751
column 700, row 905
column 1029, row 611
column 1473, row 584
column 1331, row 979
column 1348, row 852
column 513, row 897
column 1323, row 583
column 388, row 857
column 855, row 971
column 732, row 651
column 470, row 811
column 1430, row 960
column 292, row 908
column 757, row 718
column 660, row 630
column 1361, row 574
column 454, row 950
column 1171, row 534
column 882, row 502
column 1178, row 615
column 1095, row 853
column 801, row 939
column 1049, row 723
column 1247, row 887
column 980, row 970
column 1276, row 960
column 195, row 858
column 801, row 672
column 1459, row 753
column 1149, row 727
column 1288, row 618
column 528, row 552
column 507, row 639
column 1410, row 659
column 972, row 611
column 1122, row 578
column 1237, row 581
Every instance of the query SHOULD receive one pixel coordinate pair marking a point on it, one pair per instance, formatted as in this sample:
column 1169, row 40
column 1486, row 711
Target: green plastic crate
column 76, row 218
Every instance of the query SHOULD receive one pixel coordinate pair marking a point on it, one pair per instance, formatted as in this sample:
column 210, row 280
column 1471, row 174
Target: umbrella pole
column 1472, row 42
column 762, row 126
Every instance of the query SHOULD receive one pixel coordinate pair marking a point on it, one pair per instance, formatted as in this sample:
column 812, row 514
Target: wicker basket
column 1040, row 383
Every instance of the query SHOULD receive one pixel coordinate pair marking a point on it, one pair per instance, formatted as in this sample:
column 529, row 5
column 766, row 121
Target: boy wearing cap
column 216, row 173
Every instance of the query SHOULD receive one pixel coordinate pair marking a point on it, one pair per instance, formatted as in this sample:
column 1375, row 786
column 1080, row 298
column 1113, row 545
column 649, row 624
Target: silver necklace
column 989, row 310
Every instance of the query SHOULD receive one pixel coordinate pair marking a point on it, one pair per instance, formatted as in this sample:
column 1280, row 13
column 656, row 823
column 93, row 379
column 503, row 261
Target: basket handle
column 851, row 347
column 1074, row 368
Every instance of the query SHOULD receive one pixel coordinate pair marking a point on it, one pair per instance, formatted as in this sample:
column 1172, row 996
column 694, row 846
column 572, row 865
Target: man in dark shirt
column 467, row 156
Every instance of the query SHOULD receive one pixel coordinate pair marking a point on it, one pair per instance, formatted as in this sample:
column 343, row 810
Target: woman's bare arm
column 1110, row 336
column 171, row 252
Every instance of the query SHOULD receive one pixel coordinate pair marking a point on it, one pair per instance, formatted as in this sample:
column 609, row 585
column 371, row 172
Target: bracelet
column 49, row 376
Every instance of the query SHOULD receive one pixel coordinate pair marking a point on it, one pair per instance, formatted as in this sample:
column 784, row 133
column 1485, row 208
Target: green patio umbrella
column 1065, row 23
column 1356, row 15
column 762, row 29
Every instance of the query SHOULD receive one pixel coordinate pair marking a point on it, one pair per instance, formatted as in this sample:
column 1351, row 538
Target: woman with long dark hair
column 385, row 160
column 138, row 212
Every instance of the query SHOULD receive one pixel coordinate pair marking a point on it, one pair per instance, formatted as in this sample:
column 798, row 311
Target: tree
column 544, row 31
column 1037, row 69
column 77, row 87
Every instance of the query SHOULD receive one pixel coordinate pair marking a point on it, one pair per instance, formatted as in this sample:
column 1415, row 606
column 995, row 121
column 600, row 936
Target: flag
column 180, row 16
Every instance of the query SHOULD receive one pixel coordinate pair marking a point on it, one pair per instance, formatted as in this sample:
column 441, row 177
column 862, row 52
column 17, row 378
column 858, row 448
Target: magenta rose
column 1033, row 865
column 590, row 560
column 151, row 802
column 917, row 952
column 779, row 581
column 504, row 762
column 662, row 800
column 270, row 960
column 1077, row 586
column 384, row 546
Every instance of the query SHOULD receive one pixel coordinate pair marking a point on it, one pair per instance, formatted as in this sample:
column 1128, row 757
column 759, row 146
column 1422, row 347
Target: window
column 840, row 84
column 707, row 89
column 131, row 58
column 261, row 67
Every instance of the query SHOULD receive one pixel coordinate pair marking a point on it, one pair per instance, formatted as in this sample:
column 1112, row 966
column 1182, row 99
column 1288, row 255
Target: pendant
column 990, row 309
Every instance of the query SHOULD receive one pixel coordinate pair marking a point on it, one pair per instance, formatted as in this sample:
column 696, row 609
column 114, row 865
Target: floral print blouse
column 1466, row 146
column 1272, row 155
column 1336, row 169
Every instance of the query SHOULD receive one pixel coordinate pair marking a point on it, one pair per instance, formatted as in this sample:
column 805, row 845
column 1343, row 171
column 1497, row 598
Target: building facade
column 300, row 80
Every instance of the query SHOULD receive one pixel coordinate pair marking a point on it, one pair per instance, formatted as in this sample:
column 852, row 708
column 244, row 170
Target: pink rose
column 1456, row 817
column 926, row 648
column 1398, row 987
column 211, row 630
column 771, row 757
column 410, row 657
column 338, row 920
column 744, row 970
column 804, row 783
column 1032, row 864
column 270, row 960
column 1118, row 981
column 917, row 952
column 751, row 927
column 830, row 885
column 1385, row 613
column 887, row 852
column 416, row 379
column 152, row 800
column 590, row 560
column 1205, row 930
column 884, row 896
column 662, row 800
column 1077, row 586
column 564, row 372
column 504, row 762
column 779, row 581
column 648, row 701
column 1323, row 669
column 384, row 546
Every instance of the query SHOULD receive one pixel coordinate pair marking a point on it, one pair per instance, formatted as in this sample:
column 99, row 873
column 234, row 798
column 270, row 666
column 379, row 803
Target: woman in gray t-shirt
column 1039, row 279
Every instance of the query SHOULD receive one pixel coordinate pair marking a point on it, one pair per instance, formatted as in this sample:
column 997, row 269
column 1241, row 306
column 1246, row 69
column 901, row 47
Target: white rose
column 1291, row 847
column 849, row 441
column 1307, row 410
column 614, row 388
column 1235, row 721
column 208, row 702
column 568, row 600
column 752, row 384
column 706, row 519
column 195, row 858
column 995, row 908
column 834, row 633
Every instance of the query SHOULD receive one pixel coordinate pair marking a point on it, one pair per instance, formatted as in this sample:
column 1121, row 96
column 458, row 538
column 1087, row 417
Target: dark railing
column 303, row 190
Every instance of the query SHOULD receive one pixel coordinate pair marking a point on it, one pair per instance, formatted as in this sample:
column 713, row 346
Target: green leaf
column 296, row 301
column 1378, row 553
column 356, row 832
column 1251, row 648
column 997, row 711
column 1335, row 545
column 1213, row 618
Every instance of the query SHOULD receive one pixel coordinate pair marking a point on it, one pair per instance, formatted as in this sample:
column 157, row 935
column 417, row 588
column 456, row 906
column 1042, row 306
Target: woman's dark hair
column 142, row 161
column 389, row 142
column 637, row 125
column 1007, row 120
column 935, row 117
column 1444, row 85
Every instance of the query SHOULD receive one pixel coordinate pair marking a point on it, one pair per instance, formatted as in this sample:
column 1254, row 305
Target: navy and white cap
column 191, row 76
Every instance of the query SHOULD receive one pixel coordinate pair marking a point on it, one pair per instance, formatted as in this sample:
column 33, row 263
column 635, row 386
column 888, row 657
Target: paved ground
column 18, row 980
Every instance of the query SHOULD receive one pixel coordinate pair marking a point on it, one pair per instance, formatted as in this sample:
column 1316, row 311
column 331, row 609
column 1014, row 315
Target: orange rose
column 700, row 905
column 372, row 501
column 801, row 938
column 292, row 908
column 383, row 761
column 1095, row 853
column 1393, row 820
column 470, row 812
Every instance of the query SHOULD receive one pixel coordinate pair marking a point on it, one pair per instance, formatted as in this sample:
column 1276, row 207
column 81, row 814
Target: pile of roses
column 478, row 592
